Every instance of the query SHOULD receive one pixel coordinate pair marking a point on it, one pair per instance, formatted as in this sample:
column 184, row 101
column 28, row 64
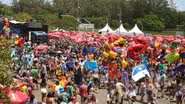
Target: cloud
column 180, row 5
column 6, row 1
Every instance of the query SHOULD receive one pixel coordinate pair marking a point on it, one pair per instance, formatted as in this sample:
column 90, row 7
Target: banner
column 139, row 72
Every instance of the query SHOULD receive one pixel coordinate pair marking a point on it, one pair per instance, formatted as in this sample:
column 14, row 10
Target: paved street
column 101, row 97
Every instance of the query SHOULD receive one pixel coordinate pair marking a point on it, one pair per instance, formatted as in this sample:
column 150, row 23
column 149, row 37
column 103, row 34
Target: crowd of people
column 59, row 74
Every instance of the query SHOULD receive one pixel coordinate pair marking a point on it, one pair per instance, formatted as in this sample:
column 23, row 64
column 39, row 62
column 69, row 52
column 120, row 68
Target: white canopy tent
column 135, row 31
column 106, row 29
column 121, row 30
column 16, row 22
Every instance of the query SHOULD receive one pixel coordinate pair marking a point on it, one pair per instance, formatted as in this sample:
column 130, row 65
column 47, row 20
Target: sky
column 180, row 4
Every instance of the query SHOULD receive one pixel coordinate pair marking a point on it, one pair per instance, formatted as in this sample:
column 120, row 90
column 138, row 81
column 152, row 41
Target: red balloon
column 134, row 50
column 21, row 40
column 141, row 41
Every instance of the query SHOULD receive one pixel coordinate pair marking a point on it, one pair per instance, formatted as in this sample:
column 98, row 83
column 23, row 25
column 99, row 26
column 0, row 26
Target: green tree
column 5, row 62
column 181, row 18
column 28, row 6
column 5, row 10
column 23, row 16
column 169, row 17
column 151, row 23
column 99, row 21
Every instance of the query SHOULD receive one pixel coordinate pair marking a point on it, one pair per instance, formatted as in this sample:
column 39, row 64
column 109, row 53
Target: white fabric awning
column 136, row 31
column 121, row 30
column 106, row 29
column 16, row 22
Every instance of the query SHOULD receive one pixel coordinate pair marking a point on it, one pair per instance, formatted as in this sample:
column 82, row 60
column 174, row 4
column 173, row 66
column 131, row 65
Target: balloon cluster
column 19, row 41
column 137, row 49
column 112, row 50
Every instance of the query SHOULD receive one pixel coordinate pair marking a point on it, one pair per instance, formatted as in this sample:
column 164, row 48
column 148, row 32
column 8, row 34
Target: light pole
column 120, row 18
column 78, row 22
column 78, row 8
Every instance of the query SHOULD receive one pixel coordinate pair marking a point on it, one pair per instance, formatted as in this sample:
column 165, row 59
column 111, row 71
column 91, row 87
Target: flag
column 139, row 72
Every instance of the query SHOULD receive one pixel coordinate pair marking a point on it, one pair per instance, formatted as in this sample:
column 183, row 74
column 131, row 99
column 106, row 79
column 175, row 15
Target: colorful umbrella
column 41, row 47
column 17, row 97
column 53, row 35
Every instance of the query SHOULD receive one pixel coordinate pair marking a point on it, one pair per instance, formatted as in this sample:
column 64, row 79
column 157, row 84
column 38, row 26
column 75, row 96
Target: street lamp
column 78, row 22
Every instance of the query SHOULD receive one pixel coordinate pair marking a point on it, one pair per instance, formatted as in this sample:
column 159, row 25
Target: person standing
column 43, row 86
column 83, row 93
column 179, row 93
column 120, row 89
column 70, row 89
column 32, row 99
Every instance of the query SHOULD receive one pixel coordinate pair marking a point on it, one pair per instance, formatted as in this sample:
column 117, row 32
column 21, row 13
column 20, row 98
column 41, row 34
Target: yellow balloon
column 62, row 82
column 121, row 40
column 106, row 44
column 24, row 89
column 124, row 63
column 90, row 56
column 156, row 44
column 116, row 43
column 112, row 54
column 111, row 45
column 105, row 54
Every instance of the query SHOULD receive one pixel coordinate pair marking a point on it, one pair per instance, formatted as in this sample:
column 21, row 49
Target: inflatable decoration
column 156, row 44
column 124, row 63
column 90, row 56
column 172, row 57
column 121, row 42
column 117, row 49
column 152, row 43
column 113, row 70
column 105, row 54
column 164, row 46
column 141, row 41
column 174, row 44
column 112, row 54
column 133, row 51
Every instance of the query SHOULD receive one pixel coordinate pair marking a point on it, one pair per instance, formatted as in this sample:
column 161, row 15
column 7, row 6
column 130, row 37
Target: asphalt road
column 101, row 98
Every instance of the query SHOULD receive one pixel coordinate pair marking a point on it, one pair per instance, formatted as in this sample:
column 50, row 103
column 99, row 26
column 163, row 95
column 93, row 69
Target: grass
column 161, row 33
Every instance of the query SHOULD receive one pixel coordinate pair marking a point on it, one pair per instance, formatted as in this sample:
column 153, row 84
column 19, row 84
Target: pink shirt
column 83, row 90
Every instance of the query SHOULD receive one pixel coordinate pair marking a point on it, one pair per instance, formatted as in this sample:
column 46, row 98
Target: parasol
column 53, row 35
column 17, row 97
column 180, row 68
column 41, row 47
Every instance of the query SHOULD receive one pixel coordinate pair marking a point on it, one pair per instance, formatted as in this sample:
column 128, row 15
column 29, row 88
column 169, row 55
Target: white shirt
column 119, row 87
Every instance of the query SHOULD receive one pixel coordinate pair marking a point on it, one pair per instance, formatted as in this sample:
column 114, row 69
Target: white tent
column 121, row 30
column 135, row 31
column 16, row 22
column 106, row 29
